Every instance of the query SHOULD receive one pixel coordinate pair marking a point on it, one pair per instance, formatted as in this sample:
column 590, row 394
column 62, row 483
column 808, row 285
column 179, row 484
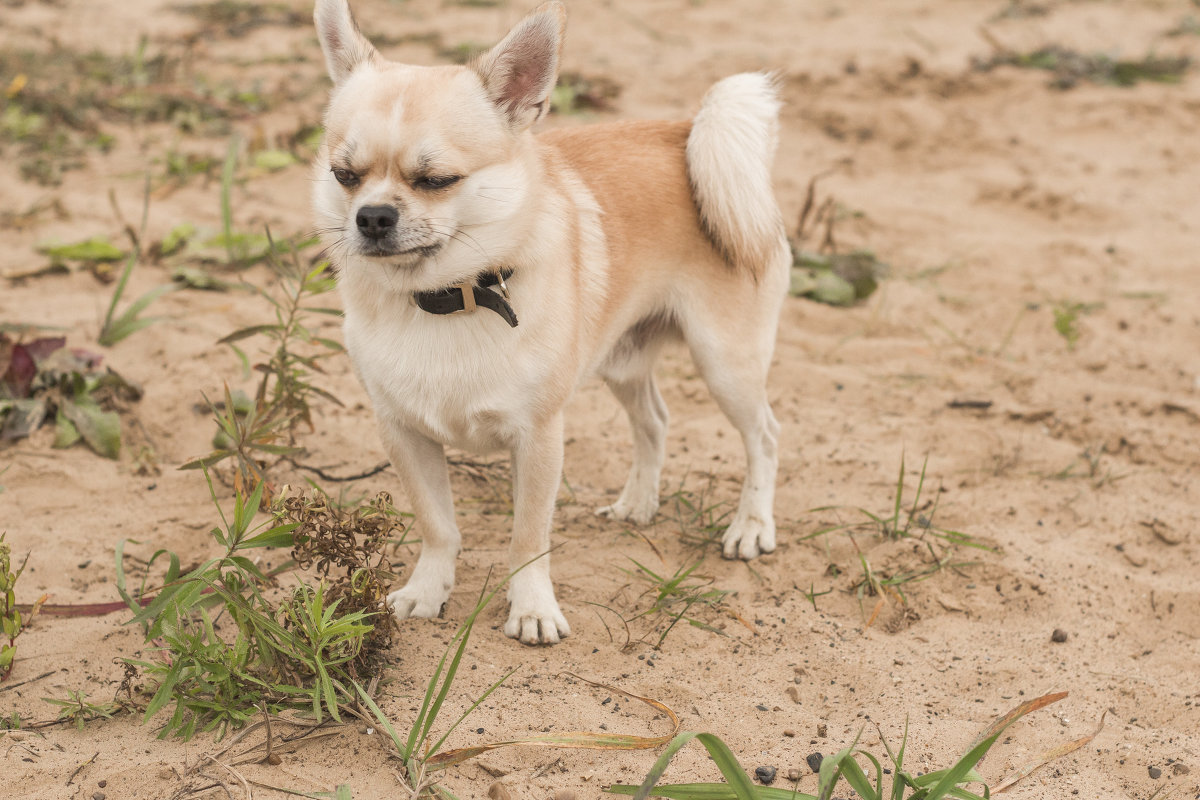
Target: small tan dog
column 449, row 221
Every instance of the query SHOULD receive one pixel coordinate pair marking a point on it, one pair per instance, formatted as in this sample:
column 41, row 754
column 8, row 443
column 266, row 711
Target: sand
column 995, row 199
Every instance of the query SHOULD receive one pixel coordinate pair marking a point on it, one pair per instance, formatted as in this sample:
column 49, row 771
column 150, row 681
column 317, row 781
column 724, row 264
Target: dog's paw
column 534, row 616
column 537, row 628
column 414, row 602
column 747, row 537
column 639, row 511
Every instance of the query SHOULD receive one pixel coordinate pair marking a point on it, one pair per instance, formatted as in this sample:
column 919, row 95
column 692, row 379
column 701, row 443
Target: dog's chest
column 459, row 380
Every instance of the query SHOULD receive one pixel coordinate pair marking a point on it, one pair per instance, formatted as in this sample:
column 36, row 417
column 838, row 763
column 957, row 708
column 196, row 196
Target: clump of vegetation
column 11, row 622
column 1066, row 319
column 825, row 274
column 304, row 649
column 43, row 379
column 905, row 520
column 346, row 547
column 1069, row 68
column 667, row 600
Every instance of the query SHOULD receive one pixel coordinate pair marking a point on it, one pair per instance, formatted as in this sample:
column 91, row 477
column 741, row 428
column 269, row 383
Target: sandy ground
column 994, row 197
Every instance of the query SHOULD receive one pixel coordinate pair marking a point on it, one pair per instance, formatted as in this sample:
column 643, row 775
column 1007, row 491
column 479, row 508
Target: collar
column 467, row 297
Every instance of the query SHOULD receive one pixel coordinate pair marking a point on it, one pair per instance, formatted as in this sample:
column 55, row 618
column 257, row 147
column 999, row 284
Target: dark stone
column 814, row 761
column 1059, row 636
column 765, row 775
column 1155, row 773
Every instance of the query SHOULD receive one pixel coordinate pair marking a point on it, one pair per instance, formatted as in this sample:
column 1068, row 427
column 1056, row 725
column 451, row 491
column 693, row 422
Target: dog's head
column 425, row 171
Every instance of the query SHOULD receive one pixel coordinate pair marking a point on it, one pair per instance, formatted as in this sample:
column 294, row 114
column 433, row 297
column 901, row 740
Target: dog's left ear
column 520, row 72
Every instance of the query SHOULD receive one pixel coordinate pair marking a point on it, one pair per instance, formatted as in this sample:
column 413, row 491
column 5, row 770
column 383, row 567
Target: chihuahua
column 485, row 271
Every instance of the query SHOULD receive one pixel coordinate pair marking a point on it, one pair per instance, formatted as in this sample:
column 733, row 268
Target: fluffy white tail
column 729, row 155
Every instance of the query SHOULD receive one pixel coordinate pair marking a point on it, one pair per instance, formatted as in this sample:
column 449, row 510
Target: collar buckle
column 468, row 296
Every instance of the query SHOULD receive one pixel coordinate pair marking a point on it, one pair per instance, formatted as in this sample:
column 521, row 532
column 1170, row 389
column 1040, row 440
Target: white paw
column 748, row 536
column 410, row 602
column 534, row 616
column 639, row 511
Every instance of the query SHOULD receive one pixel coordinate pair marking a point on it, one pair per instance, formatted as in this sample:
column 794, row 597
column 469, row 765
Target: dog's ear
column 520, row 72
column 343, row 44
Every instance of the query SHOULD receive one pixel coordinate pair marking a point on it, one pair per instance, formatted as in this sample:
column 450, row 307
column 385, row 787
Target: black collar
column 466, row 297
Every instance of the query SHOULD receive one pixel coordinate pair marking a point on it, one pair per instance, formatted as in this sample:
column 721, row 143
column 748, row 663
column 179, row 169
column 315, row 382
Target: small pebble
column 822, row 730
column 814, row 761
column 793, row 693
column 564, row 794
column 1180, row 769
column 497, row 791
column 788, row 732
column 761, row 707
column 97, row 795
column 765, row 775
column 274, row 760
column 102, row 784
column 794, row 774
column 1155, row 773
column 1059, row 636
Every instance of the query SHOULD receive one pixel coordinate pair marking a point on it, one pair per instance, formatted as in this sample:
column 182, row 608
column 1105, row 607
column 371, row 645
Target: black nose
column 376, row 222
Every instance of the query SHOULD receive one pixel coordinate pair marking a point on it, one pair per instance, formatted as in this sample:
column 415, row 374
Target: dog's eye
column 437, row 181
column 345, row 177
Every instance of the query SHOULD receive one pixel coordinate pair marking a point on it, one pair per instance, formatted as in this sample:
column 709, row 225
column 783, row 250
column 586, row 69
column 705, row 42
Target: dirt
column 995, row 198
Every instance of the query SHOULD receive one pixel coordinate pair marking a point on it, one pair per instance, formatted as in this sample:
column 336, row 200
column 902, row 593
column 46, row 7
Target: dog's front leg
column 534, row 616
column 421, row 463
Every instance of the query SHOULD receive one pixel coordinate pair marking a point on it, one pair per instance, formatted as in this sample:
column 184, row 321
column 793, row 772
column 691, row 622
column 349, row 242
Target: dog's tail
column 729, row 155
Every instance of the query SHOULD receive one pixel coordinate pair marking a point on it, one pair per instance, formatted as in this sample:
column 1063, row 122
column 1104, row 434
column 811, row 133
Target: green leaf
column 177, row 238
column 65, row 432
column 96, row 249
column 100, row 429
column 274, row 160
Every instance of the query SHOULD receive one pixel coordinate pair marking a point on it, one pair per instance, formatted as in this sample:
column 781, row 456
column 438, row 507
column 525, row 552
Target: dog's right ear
column 343, row 44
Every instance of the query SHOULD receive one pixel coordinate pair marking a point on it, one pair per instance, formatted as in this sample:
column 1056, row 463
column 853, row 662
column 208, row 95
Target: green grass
column 905, row 519
column 897, row 783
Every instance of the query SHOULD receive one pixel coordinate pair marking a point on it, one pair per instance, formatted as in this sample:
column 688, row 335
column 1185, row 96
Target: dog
column 485, row 271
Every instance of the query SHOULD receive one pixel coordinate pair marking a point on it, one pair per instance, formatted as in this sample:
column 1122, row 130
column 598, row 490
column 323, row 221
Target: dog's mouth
column 405, row 254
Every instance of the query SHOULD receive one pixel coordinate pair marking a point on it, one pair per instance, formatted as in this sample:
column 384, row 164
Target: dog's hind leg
column 421, row 463
column 733, row 360
column 629, row 373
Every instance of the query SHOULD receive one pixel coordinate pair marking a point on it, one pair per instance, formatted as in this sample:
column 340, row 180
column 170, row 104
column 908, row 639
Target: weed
column 700, row 519
column 1069, row 67
column 43, row 379
column 673, row 598
column 11, row 622
column 115, row 328
column 913, row 520
column 1066, row 319
column 253, row 431
column 76, row 709
column 576, row 93
column 944, row 783
column 305, row 650
column 827, row 276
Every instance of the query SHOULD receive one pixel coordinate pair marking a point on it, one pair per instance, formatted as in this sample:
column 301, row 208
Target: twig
column 537, row 773
column 325, row 476
column 267, row 720
column 81, row 766
column 234, row 773
column 27, row 680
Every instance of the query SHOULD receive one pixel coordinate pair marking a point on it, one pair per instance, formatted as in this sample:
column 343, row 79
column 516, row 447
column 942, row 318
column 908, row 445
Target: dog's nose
column 376, row 222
